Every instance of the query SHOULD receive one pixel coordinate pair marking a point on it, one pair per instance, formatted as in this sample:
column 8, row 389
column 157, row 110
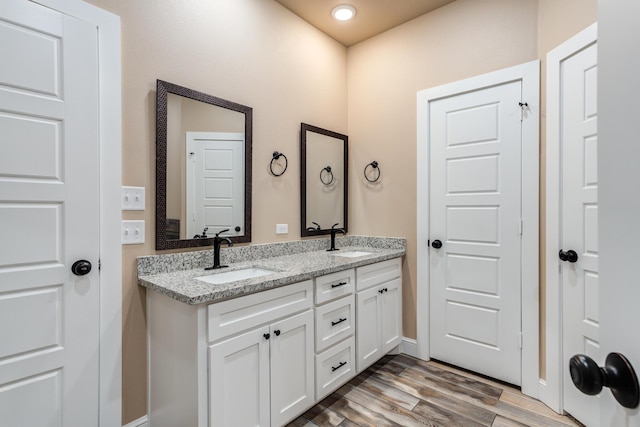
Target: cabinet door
column 368, row 348
column 391, row 315
column 239, row 381
column 292, row 371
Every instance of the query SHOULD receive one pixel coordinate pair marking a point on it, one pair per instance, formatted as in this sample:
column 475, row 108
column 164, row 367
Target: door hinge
column 520, row 339
column 99, row 264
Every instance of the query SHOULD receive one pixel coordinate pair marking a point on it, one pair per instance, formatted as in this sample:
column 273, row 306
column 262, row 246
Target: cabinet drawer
column 334, row 285
column 335, row 367
column 374, row 274
column 334, row 322
column 236, row 315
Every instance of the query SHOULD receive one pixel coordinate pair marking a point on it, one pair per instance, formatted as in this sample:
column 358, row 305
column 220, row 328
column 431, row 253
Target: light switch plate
column 132, row 198
column 282, row 228
column 132, row 232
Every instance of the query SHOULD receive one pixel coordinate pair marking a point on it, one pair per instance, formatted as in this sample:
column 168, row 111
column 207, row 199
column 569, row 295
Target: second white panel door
column 580, row 313
column 475, row 215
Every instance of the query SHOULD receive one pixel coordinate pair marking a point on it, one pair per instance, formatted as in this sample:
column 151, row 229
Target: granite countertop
column 182, row 285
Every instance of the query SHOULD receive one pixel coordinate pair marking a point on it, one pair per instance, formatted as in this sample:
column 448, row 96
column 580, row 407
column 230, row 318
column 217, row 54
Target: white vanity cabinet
column 379, row 310
column 263, row 359
column 247, row 361
column 335, row 330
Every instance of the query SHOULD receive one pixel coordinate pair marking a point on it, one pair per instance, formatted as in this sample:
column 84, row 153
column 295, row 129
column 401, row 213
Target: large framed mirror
column 323, row 180
column 203, row 168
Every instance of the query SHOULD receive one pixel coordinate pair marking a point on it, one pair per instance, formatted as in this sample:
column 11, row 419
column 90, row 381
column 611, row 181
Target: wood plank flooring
column 403, row 391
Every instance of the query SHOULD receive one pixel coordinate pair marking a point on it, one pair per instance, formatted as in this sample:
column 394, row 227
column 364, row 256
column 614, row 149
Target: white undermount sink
column 235, row 275
column 351, row 254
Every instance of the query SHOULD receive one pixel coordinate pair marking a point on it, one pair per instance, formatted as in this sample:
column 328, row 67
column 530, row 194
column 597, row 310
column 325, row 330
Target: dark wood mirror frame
column 304, row 128
column 164, row 88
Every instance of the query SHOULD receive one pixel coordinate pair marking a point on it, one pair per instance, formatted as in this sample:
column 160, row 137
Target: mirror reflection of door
column 214, row 183
column 185, row 219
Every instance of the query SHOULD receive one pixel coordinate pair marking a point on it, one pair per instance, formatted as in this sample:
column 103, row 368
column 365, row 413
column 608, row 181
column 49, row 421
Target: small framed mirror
column 323, row 180
column 203, row 168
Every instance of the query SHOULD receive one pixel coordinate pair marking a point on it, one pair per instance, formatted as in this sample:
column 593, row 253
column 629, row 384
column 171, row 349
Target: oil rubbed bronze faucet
column 217, row 241
column 335, row 231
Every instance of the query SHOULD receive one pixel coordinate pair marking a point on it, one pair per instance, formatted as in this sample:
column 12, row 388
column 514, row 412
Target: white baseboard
column 140, row 422
column 409, row 346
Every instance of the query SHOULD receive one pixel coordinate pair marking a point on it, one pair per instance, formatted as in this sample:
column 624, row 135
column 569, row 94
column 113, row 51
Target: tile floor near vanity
column 403, row 391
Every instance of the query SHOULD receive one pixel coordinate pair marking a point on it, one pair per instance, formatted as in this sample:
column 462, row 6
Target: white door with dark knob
column 49, row 218
column 619, row 197
column 475, row 223
column 579, row 222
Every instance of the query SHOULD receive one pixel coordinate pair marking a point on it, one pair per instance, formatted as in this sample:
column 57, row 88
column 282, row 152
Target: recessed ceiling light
column 344, row 12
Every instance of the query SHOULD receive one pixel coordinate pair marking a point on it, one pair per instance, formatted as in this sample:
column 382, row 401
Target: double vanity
column 263, row 340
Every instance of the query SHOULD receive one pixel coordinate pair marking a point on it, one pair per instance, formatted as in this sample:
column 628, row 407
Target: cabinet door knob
column 266, row 336
column 617, row 374
column 277, row 332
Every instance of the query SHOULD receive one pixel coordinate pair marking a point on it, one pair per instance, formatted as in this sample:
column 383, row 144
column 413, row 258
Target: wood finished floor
column 403, row 391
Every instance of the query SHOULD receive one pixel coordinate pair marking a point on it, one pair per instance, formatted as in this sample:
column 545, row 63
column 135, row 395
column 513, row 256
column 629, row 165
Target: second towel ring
column 329, row 180
column 374, row 166
column 275, row 157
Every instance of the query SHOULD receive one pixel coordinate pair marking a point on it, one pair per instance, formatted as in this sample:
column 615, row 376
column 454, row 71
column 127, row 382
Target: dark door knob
column 617, row 374
column 569, row 255
column 81, row 267
column 436, row 244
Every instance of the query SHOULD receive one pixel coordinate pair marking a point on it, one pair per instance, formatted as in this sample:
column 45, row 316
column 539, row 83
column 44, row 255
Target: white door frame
column 110, row 135
column 529, row 75
column 551, row 389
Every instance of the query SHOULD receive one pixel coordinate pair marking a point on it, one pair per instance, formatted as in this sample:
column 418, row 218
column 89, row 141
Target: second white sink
column 351, row 254
column 235, row 275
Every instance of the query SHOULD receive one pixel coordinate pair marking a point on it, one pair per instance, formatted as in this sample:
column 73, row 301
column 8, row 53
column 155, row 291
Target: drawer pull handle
column 340, row 365
column 342, row 319
column 337, row 285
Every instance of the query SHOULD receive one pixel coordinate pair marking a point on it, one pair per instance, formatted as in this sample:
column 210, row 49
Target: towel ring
column 329, row 180
column 275, row 157
column 374, row 166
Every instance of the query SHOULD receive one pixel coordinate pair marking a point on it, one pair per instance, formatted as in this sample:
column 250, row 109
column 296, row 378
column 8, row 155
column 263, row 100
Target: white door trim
column 551, row 394
column 110, row 124
column 529, row 75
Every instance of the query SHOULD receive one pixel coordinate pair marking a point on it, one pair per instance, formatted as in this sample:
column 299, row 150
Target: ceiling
column 372, row 17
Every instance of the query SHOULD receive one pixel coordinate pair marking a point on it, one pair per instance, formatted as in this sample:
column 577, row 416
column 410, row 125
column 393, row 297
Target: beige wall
column 257, row 53
column 254, row 52
column 460, row 40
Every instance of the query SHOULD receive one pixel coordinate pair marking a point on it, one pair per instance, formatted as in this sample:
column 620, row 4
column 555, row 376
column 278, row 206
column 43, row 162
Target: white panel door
column 619, row 198
column 292, row 367
column 579, row 224
column 475, row 197
column 49, row 218
column 215, row 183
